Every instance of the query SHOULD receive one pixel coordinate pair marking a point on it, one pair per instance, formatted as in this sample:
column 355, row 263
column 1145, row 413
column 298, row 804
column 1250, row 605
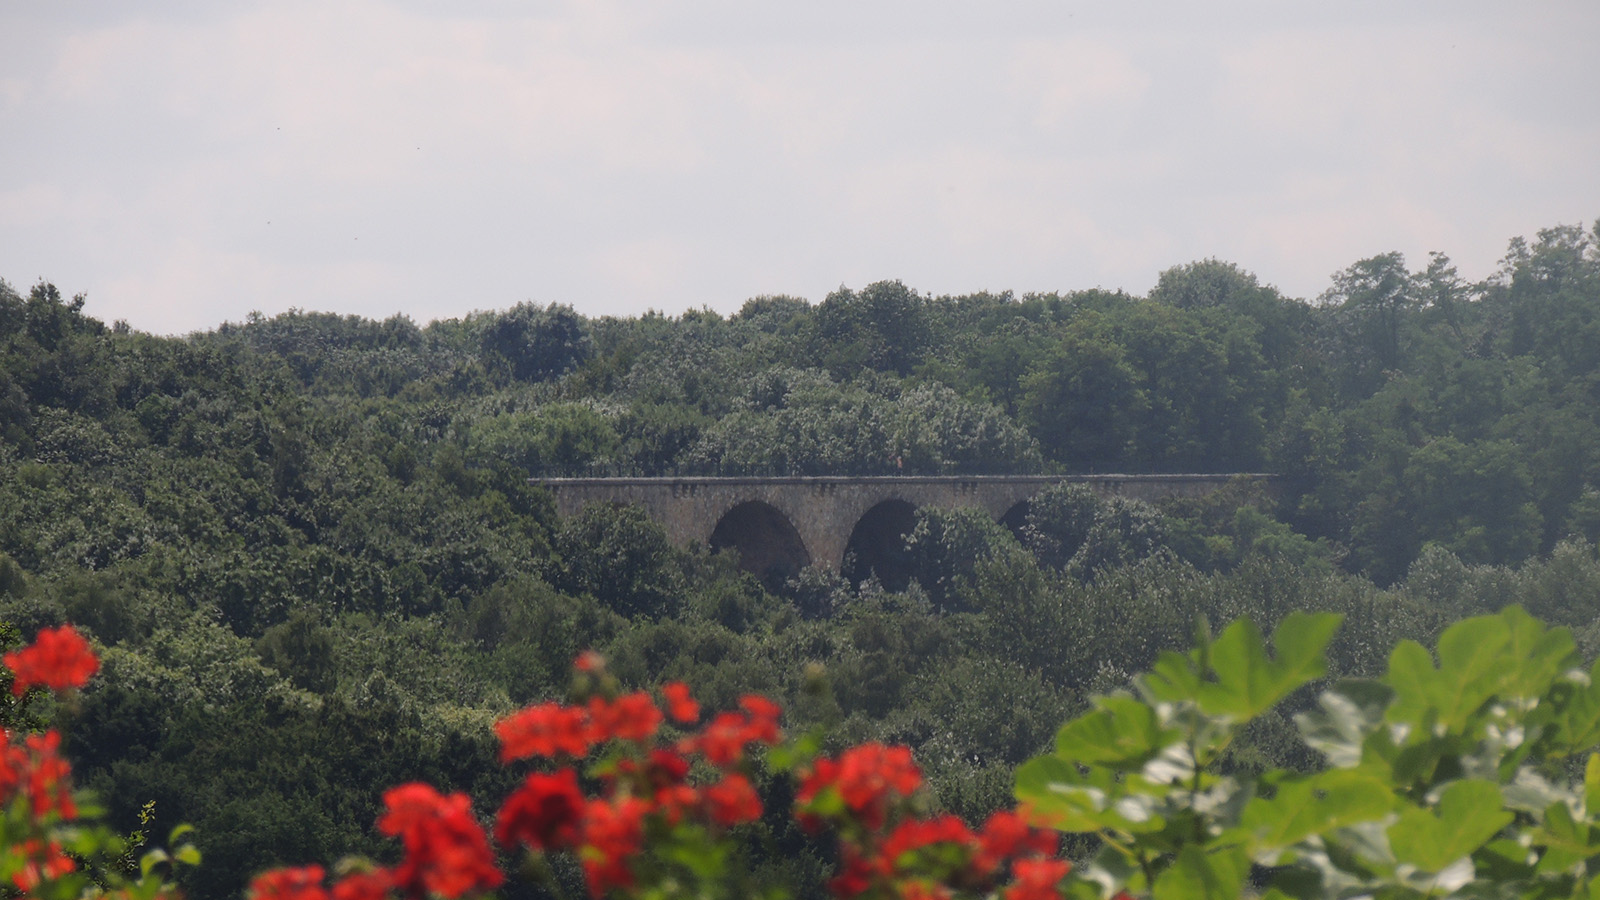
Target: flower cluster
column 651, row 810
column 446, row 850
column 35, row 770
column 868, row 794
column 45, row 838
column 305, row 883
column 446, row 855
column 636, row 791
column 58, row 659
column 35, row 780
column 644, row 782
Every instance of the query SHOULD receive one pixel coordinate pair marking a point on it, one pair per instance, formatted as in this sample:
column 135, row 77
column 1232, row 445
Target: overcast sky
column 185, row 163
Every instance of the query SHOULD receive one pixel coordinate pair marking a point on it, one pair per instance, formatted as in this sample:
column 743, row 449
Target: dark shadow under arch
column 1016, row 518
column 878, row 544
column 767, row 541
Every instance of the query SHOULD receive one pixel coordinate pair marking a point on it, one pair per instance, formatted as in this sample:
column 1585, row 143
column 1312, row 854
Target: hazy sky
column 184, row 163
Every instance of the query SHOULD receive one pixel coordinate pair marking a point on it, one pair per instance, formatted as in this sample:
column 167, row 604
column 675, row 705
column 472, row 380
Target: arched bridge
column 785, row 524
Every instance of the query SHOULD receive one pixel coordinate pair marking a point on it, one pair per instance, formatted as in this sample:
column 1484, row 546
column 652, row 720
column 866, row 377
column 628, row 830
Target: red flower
column 59, row 658
column 724, row 738
column 671, row 801
column 858, row 873
column 855, row 876
column 36, row 770
column 923, row 890
column 589, row 661
column 680, row 705
column 544, row 730
column 633, row 717
column 543, row 814
column 867, row 777
column 733, row 801
column 41, row 862
column 914, row 834
column 1037, row 879
column 371, row 885
column 446, row 852
column 763, row 725
column 611, row 836
column 304, row 883
column 1007, row 834
column 666, row 768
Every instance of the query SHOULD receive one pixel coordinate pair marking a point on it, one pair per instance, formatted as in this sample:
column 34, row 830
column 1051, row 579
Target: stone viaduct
column 786, row 523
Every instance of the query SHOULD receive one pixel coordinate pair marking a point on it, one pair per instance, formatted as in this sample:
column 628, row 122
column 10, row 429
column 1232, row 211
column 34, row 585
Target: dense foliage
column 308, row 551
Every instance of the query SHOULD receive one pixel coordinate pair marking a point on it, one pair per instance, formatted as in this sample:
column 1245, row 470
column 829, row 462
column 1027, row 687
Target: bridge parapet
column 800, row 520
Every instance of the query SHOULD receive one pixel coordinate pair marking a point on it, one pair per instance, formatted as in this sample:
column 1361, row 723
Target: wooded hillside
column 309, row 550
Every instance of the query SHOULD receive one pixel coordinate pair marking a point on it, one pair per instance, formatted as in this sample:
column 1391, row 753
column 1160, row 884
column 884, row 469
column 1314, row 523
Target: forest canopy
column 309, row 550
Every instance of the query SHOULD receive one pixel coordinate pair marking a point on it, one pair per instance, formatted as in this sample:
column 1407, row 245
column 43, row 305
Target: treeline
column 309, row 550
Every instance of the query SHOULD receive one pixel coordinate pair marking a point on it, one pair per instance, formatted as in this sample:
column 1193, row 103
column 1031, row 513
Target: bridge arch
column 1016, row 518
column 878, row 544
column 768, row 543
column 824, row 510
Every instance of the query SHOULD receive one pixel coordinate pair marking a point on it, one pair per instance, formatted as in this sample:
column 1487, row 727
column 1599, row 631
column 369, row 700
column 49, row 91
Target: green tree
column 1083, row 401
column 622, row 557
column 884, row 326
column 538, row 344
column 947, row 545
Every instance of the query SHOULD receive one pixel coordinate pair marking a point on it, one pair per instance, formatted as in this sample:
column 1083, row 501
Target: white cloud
column 434, row 158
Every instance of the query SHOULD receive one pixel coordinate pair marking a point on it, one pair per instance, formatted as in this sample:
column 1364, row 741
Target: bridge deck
column 802, row 519
column 732, row 480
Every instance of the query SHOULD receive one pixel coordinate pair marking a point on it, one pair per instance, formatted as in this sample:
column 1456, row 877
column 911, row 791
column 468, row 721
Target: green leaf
column 1566, row 841
column 1510, row 655
column 1074, row 801
column 1591, row 786
column 1578, row 717
column 1248, row 682
column 1123, row 733
column 152, row 859
column 1412, row 676
column 1349, row 712
column 1315, row 805
column 1173, row 678
column 188, row 854
column 1541, row 654
column 1470, row 812
column 1198, row 875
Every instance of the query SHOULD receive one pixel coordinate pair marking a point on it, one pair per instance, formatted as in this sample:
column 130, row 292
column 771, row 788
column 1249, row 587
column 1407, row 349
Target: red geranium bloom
column 923, row 890
column 371, row 885
column 671, row 801
column 633, row 717
column 914, row 834
column 724, row 738
column 763, row 725
column 611, row 835
column 733, row 801
column 589, row 661
column 303, row 883
column 544, row 730
column 867, row 778
column 543, row 814
column 666, row 768
column 59, row 658
column 41, row 862
column 446, row 852
column 37, row 770
column 856, row 875
column 680, row 705
column 1037, row 879
column 1007, row 834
